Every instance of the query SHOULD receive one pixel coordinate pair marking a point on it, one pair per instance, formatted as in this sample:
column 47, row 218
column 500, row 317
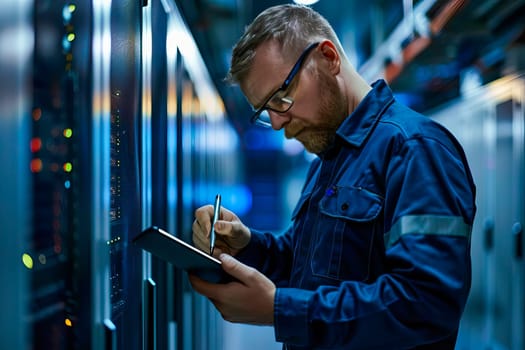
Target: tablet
column 181, row 254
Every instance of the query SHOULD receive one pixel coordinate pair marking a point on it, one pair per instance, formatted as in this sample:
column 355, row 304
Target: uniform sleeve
column 269, row 254
column 428, row 213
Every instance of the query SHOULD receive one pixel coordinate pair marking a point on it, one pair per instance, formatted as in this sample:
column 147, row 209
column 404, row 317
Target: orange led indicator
column 37, row 114
column 36, row 165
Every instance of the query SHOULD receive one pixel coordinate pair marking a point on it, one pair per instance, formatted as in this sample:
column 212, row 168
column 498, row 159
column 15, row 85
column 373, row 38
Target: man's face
column 319, row 105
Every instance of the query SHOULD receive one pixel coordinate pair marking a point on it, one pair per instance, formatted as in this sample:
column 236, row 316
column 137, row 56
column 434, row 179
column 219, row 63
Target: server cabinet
column 52, row 194
column 489, row 122
column 74, row 178
column 60, row 240
column 108, row 122
column 180, row 171
column 174, row 78
column 131, row 300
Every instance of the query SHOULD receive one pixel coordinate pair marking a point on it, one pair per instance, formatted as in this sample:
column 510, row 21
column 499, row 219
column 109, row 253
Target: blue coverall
column 377, row 255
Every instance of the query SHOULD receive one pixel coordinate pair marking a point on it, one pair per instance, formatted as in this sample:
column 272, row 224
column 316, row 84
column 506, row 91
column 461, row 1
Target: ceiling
column 424, row 63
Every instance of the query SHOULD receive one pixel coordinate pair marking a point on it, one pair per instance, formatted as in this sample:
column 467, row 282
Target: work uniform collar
column 362, row 120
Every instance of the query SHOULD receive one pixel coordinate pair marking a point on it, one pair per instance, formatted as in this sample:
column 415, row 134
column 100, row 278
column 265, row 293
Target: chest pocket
column 347, row 227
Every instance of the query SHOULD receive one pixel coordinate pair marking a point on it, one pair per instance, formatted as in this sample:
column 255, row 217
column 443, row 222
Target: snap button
column 344, row 206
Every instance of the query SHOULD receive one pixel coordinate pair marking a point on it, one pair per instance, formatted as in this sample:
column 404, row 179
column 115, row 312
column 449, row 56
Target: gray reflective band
column 427, row 225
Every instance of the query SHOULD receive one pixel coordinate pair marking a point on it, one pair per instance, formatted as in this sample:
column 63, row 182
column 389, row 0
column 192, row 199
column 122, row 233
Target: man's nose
column 278, row 120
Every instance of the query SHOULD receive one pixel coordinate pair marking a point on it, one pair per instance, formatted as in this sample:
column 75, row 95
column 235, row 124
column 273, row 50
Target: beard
column 317, row 138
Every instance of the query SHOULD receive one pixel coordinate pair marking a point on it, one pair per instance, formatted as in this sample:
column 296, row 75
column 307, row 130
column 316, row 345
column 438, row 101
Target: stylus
column 216, row 213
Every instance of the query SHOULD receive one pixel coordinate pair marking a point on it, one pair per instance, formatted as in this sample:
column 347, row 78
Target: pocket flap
column 352, row 203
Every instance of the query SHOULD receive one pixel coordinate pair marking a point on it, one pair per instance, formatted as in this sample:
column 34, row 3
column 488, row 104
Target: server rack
column 109, row 124
column 489, row 122
column 128, row 180
column 46, row 108
column 61, row 222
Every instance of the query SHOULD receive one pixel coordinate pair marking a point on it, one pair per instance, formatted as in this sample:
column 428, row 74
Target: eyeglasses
column 279, row 101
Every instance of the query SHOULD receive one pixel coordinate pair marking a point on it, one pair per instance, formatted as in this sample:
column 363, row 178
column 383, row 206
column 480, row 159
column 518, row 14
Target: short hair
column 291, row 26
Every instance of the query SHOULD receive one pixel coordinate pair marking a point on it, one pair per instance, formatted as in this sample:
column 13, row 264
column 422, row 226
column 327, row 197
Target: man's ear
column 330, row 54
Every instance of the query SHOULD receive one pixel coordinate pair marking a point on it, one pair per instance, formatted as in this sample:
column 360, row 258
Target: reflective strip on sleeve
column 427, row 225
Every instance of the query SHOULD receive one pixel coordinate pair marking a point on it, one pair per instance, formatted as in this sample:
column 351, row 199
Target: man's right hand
column 232, row 234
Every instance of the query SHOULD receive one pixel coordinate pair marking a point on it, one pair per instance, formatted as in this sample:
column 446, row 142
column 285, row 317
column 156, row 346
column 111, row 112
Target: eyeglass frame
column 293, row 72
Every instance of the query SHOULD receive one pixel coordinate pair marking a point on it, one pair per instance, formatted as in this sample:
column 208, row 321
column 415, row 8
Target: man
column 377, row 255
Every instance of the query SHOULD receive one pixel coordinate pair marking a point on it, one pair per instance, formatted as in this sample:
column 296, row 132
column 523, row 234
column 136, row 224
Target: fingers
column 224, row 228
column 201, row 227
column 201, row 242
column 235, row 268
column 236, row 234
column 202, row 224
column 231, row 266
column 229, row 224
column 227, row 215
column 232, row 234
column 200, row 239
column 250, row 300
column 203, row 217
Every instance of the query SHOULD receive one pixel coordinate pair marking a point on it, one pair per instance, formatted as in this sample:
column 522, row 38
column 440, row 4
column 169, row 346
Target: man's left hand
column 250, row 299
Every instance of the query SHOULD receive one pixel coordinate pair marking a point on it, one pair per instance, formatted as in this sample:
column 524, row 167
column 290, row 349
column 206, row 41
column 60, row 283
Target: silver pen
column 216, row 213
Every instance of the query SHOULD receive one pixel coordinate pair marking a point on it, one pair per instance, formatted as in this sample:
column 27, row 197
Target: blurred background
column 114, row 117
